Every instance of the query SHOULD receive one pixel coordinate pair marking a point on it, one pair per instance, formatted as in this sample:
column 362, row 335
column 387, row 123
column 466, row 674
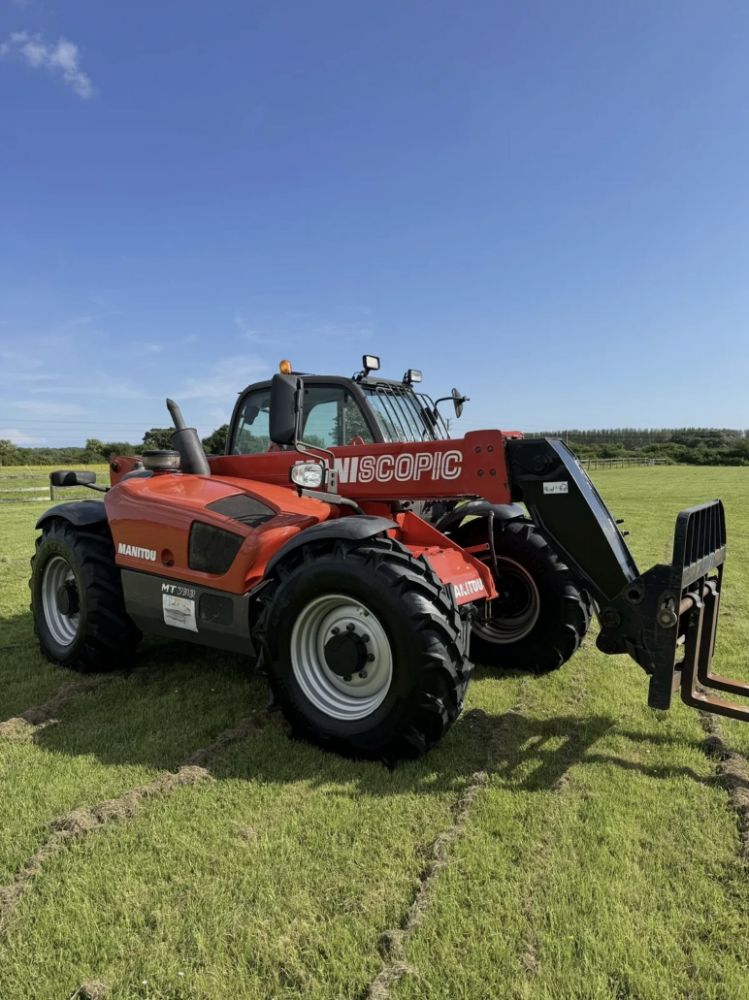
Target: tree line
column 683, row 445
column 96, row 452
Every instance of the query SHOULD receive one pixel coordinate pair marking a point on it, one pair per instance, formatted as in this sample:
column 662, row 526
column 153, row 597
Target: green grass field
column 565, row 842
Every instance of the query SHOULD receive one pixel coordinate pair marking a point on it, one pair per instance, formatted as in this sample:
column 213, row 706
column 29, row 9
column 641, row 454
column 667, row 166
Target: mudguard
column 355, row 527
column 480, row 508
column 81, row 513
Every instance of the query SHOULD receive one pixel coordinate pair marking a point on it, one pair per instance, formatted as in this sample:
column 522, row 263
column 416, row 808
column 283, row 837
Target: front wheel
column 542, row 612
column 76, row 599
column 364, row 650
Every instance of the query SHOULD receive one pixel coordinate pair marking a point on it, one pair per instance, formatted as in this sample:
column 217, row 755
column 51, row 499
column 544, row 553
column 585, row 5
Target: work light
column 308, row 475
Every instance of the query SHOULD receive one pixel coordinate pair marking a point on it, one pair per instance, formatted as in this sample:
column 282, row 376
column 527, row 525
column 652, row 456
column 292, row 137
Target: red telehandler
column 364, row 560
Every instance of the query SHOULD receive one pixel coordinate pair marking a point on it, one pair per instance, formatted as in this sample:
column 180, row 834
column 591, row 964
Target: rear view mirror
column 458, row 400
column 69, row 478
column 285, row 409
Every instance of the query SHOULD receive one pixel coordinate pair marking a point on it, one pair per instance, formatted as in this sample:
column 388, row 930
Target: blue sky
column 545, row 204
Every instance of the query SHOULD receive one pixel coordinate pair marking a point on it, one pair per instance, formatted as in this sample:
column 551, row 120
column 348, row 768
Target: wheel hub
column 513, row 615
column 346, row 654
column 341, row 657
column 60, row 601
column 67, row 599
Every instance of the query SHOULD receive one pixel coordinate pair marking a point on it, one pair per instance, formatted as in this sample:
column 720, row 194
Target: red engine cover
column 151, row 519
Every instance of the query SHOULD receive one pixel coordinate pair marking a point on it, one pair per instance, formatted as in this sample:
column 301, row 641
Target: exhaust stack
column 187, row 443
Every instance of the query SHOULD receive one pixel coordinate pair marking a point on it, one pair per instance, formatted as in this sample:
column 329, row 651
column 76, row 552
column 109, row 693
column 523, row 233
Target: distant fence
column 34, row 488
column 9, row 493
column 619, row 463
column 43, row 490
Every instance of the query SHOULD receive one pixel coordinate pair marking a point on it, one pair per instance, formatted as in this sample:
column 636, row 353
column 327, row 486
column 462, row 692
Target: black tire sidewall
column 55, row 543
column 522, row 542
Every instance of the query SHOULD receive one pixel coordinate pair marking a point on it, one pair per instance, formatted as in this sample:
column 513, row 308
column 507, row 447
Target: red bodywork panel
column 472, row 580
column 151, row 517
column 156, row 514
column 426, row 470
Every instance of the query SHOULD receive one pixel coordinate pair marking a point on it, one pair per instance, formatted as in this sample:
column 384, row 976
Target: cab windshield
column 333, row 417
column 404, row 415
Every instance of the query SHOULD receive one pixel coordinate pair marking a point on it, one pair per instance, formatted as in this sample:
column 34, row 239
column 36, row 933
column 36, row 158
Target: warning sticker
column 556, row 487
column 179, row 612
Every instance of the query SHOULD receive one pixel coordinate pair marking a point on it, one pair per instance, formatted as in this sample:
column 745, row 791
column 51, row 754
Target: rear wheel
column 76, row 599
column 363, row 647
column 542, row 612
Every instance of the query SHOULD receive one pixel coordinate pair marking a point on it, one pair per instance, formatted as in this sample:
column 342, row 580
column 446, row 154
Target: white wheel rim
column 57, row 575
column 521, row 617
column 340, row 698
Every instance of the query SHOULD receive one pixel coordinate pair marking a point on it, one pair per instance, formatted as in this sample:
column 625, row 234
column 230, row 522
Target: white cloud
column 248, row 333
column 224, row 380
column 19, row 359
column 58, row 57
column 42, row 409
column 20, row 437
column 101, row 386
column 11, row 376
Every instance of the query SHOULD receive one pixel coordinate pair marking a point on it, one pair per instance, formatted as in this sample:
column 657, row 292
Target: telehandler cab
column 365, row 559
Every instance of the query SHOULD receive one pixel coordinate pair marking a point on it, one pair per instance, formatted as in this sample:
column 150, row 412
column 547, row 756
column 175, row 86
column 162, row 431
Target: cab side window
column 252, row 434
column 332, row 417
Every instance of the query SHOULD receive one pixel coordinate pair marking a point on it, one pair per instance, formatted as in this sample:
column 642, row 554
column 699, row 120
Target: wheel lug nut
column 335, row 630
column 370, row 657
column 365, row 638
column 350, row 627
column 347, row 678
column 363, row 674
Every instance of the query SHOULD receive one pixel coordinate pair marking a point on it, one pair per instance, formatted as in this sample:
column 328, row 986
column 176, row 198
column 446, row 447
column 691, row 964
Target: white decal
column 366, row 469
column 469, row 588
column 179, row 612
column 177, row 590
column 452, row 465
column 403, row 468
column 556, row 487
column 136, row 552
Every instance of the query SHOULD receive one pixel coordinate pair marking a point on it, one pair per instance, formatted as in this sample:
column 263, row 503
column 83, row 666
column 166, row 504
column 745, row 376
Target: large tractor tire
column 364, row 649
column 76, row 599
column 542, row 613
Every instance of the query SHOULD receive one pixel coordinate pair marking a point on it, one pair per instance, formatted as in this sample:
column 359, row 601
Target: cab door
column 333, row 416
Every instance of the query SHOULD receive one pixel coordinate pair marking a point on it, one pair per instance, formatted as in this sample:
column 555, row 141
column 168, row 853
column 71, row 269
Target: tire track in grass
column 87, row 819
column 92, row 990
column 529, row 946
column 733, row 774
column 393, row 941
column 38, row 717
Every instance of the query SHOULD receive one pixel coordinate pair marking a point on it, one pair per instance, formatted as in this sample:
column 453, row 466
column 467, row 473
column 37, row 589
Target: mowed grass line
column 600, row 859
column 276, row 879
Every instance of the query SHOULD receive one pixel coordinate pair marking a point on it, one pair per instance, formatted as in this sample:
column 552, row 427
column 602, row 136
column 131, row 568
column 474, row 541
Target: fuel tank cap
column 161, row 460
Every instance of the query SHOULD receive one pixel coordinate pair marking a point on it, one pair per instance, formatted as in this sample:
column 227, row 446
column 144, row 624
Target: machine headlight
column 309, row 475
